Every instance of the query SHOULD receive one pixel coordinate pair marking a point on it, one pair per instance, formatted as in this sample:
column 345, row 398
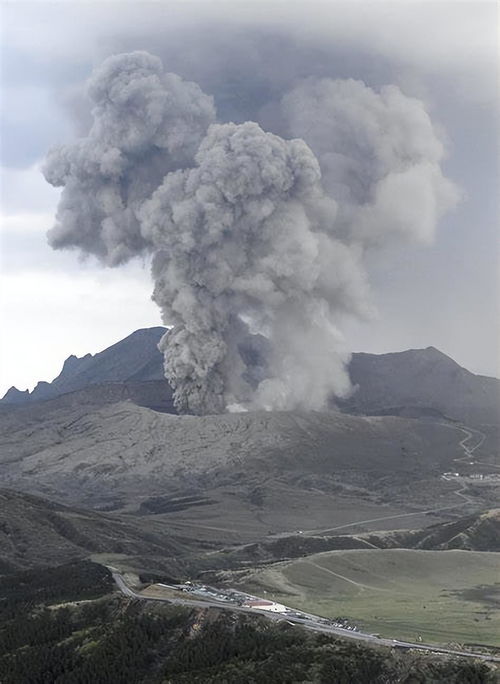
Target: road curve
column 468, row 453
column 304, row 622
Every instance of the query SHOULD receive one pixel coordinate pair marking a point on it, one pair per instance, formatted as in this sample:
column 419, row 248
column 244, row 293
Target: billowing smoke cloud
column 248, row 242
column 146, row 123
column 379, row 155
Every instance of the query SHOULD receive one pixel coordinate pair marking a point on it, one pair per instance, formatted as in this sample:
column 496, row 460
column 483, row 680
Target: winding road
column 467, row 448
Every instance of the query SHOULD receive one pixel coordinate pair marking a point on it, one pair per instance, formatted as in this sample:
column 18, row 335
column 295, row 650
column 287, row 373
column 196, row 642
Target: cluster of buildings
column 229, row 595
column 244, row 600
column 473, row 476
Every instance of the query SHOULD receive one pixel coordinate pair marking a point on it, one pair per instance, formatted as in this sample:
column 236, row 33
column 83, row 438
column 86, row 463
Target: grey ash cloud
column 145, row 123
column 249, row 232
column 379, row 154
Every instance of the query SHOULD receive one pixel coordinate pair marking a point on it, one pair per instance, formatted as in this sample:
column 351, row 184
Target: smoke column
column 254, row 255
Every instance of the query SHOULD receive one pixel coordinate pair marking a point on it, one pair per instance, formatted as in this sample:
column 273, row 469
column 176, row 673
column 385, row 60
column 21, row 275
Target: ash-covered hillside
column 264, row 472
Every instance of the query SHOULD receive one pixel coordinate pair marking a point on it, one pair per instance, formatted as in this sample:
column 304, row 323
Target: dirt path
column 469, row 434
column 343, row 577
column 387, row 517
column 173, row 522
column 469, row 450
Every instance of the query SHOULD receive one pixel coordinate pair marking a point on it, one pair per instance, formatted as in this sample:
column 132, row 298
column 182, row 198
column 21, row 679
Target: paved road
column 309, row 622
column 323, row 531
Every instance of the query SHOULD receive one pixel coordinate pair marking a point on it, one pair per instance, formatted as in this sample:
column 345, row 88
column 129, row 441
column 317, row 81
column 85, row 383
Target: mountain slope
column 480, row 532
column 112, row 640
column 422, row 379
column 133, row 359
column 37, row 532
column 269, row 471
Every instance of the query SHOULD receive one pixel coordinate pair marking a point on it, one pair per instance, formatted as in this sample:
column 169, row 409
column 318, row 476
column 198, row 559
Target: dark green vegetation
column 114, row 641
column 24, row 591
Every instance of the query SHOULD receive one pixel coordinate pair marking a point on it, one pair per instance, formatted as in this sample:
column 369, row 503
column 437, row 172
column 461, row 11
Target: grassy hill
column 442, row 596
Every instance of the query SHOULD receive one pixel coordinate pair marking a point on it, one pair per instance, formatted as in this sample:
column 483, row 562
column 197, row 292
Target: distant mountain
column 134, row 359
column 414, row 384
column 104, row 439
column 419, row 383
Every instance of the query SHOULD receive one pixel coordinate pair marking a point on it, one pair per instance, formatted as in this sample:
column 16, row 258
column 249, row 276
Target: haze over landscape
column 249, row 277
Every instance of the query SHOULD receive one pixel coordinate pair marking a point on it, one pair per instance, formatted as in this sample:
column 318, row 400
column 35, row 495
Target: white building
column 261, row 604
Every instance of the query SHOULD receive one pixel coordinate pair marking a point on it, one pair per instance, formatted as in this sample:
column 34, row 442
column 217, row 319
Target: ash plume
column 146, row 123
column 245, row 240
column 379, row 155
column 248, row 242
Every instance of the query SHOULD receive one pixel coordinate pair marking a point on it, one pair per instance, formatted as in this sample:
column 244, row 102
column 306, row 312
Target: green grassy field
column 441, row 596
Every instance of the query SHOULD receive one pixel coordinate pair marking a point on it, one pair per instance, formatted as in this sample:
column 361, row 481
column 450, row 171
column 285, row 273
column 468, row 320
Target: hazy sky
column 247, row 55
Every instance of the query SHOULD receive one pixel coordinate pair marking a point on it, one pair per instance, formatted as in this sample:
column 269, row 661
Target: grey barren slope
column 279, row 470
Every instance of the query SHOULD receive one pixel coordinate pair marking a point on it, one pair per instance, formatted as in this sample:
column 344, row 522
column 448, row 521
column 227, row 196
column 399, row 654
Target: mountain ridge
column 136, row 357
column 411, row 383
column 421, row 379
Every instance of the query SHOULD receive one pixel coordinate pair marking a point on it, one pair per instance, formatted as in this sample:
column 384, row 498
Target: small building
column 262, row 604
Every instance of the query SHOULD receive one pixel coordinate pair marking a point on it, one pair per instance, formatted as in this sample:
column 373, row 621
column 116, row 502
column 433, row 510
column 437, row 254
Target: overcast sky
column 247, row 55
